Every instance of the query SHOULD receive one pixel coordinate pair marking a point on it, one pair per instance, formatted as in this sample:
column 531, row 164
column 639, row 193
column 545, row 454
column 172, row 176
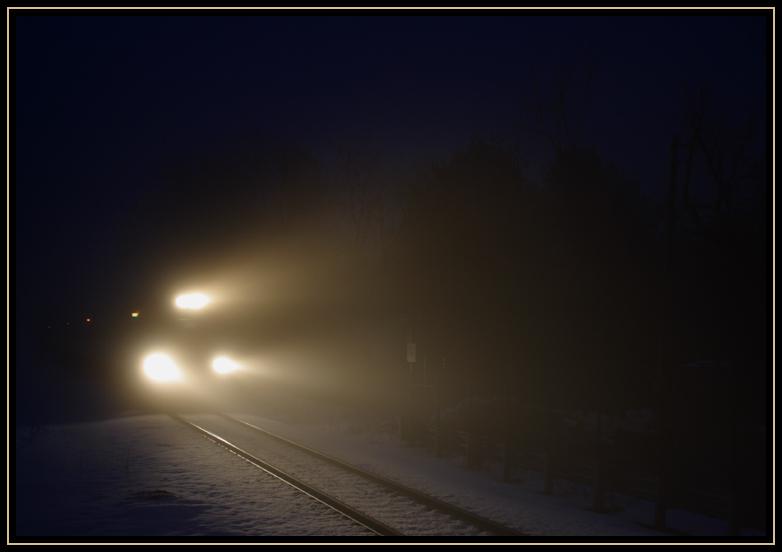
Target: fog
column 528, row 263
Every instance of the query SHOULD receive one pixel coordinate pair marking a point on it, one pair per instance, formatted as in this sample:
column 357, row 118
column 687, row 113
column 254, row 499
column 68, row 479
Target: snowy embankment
column 521, row 504
column 150, row 476
column 406, row 515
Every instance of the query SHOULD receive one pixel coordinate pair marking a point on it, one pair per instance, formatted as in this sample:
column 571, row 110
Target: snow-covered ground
column 404, row 514
column 521, row 504
column 150, row 476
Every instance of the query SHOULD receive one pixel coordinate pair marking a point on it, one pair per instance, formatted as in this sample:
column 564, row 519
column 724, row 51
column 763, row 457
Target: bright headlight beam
column 160, row 367
column 192, row 301
column 224, row 365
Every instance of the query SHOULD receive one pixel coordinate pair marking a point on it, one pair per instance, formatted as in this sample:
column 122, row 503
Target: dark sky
column 102, row 103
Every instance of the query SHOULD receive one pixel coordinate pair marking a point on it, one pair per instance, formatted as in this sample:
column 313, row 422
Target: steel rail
column 483, row 523
column 366, row 521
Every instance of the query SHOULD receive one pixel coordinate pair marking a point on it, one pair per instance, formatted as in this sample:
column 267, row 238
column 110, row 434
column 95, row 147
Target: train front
column 186, row 360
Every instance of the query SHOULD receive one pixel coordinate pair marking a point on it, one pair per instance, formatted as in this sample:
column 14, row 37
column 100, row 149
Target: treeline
column 574, row 291
column 536, row 299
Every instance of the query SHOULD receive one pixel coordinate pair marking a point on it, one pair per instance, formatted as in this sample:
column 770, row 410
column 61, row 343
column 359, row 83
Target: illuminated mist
column 517, row 273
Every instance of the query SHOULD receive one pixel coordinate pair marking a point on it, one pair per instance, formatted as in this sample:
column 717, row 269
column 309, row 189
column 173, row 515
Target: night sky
column 566, row 212
column 113, row 116
column 101, row 103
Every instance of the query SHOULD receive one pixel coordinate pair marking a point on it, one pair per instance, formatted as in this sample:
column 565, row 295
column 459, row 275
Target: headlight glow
column 160, row 367
column 192, row 301
column 224, row 365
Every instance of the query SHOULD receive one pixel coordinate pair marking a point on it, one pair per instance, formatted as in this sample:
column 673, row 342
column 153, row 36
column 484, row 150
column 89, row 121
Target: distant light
column 134, row 314
column 192, row 301
column 88, row 320
column 160, row 367
column 224, row 365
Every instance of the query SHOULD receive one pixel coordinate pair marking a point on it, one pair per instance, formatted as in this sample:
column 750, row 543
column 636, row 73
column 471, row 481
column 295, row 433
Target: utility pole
column 665, row 489
column 408, row 401
column 551, row 441
column 437, row 379
column 507, row 468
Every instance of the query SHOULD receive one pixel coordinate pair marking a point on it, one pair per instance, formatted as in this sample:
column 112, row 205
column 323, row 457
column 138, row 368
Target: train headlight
column 224, row 365
column 192, row 301
column 160, row 367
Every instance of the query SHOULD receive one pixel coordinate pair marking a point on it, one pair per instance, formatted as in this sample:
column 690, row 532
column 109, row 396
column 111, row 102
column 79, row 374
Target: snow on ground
column 521, row 505
column 151, row 476
column 398, row 511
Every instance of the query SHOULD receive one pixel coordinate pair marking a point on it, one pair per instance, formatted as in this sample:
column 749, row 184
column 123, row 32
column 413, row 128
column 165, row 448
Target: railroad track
column 383, row 506
column 372, row 525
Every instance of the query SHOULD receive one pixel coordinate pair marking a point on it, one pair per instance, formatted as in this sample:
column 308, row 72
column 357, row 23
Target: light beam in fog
column 224, row 365
column 160, row 367
column 192, row 301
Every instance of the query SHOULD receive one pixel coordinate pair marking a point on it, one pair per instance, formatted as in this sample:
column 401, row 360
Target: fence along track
column 370, row 523
column 452, row 510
